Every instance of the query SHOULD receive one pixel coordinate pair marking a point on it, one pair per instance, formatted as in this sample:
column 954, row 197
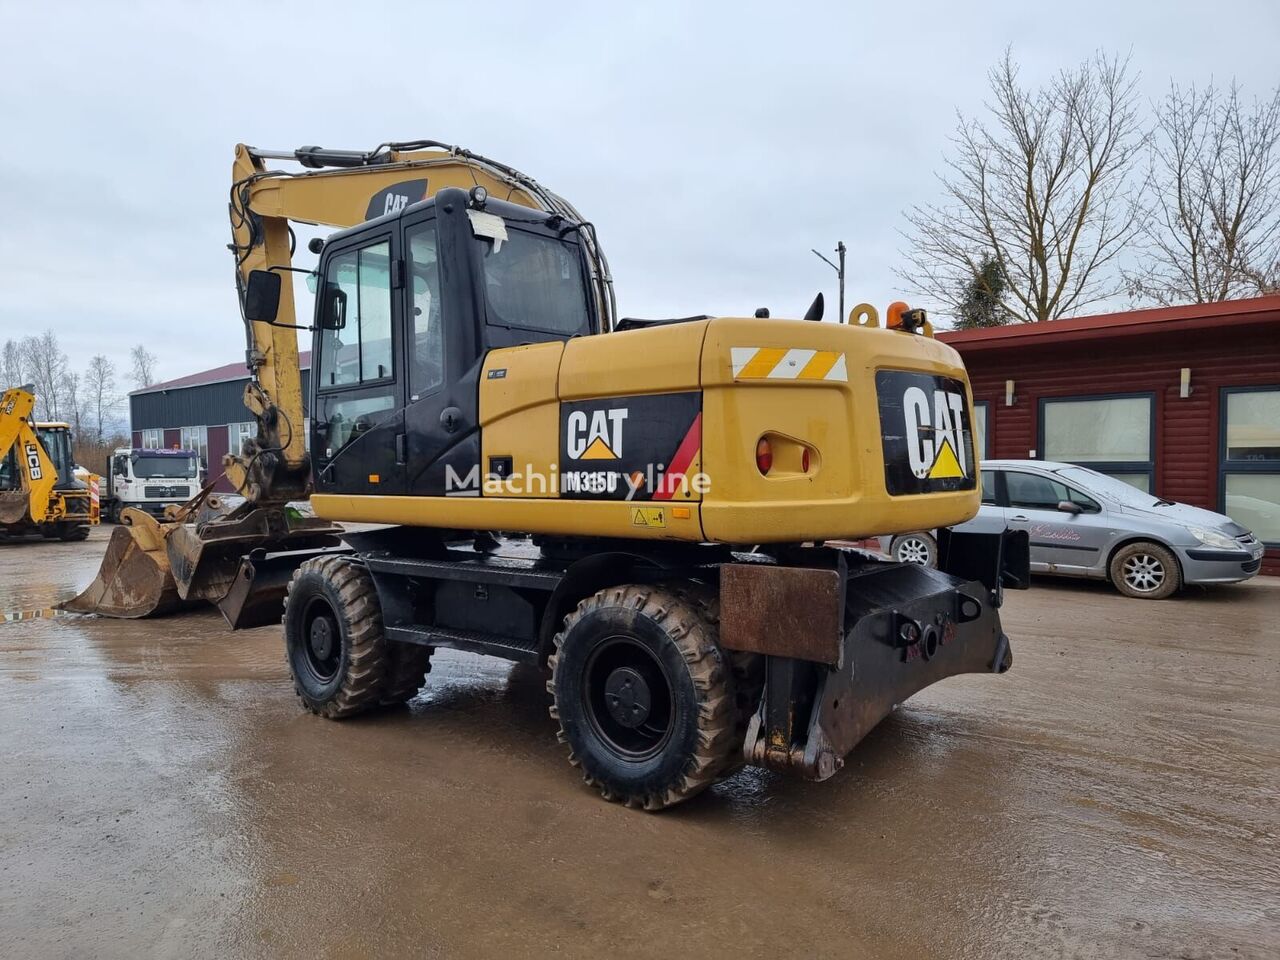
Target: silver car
column 1086, row 524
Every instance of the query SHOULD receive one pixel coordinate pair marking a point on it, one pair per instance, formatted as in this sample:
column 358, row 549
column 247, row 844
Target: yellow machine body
column 829, row 406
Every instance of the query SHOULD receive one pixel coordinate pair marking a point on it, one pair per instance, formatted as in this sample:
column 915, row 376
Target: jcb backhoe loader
column 39, row 491
column 671, row 481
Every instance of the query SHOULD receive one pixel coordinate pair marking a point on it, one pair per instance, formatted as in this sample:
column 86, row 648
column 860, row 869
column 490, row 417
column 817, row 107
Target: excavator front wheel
column 644, row 696
column 342, row 664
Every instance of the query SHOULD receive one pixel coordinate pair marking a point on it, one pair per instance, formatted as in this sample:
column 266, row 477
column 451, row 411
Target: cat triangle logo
column 945, row 464
column 598, row 450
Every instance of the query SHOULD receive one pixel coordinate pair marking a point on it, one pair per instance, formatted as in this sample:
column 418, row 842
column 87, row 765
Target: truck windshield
column 535, row 281
column 145, row 466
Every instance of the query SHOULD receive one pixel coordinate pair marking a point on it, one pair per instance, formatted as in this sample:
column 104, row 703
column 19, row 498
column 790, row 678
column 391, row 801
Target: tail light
column 764, row 455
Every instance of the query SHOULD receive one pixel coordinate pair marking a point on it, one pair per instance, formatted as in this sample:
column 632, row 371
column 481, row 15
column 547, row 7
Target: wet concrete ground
column 162, row 795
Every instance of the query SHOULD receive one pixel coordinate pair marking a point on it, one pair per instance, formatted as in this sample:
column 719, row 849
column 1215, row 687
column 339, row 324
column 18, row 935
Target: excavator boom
column 195, row 552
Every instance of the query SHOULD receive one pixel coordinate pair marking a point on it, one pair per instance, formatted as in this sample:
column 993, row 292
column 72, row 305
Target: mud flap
column 905, row 627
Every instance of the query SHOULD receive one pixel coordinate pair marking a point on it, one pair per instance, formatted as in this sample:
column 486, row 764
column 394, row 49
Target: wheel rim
column 913, row 550
column 628, row 698
column 321, row 640
column 1144, row 572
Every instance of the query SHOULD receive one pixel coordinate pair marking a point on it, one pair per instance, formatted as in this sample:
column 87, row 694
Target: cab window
column 360, row 351
column 536, row 282
column 427, row 349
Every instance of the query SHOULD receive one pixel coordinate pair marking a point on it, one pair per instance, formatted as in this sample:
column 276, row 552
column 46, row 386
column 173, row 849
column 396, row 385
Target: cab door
column 357, row 416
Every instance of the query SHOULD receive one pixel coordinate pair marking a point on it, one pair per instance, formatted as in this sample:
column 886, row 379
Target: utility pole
column 840, row 251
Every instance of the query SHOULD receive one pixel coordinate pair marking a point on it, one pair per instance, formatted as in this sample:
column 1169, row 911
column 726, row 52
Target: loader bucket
column 134, row 579
column 13, row 506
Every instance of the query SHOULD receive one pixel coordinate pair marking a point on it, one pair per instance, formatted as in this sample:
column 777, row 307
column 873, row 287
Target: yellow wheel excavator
column 645, row 507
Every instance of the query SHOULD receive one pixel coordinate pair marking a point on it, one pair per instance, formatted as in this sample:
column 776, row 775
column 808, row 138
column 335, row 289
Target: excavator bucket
column 239, row 559
column 134, row 579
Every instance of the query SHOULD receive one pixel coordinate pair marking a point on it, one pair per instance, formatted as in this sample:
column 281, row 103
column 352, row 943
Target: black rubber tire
column 362, row 661
column 1158, row 562
column 71, row 532
column 702, row 739
column 924, row 543
column 748, row 670
column 407, row 667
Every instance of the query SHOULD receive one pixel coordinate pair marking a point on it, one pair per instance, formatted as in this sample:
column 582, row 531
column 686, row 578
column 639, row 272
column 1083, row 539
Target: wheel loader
column 39, row 491
column 643, row 507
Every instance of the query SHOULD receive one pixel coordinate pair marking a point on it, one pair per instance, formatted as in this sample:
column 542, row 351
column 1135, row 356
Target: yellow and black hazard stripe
column 781, row 363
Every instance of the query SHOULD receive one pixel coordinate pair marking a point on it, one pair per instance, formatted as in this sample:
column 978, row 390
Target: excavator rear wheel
column 342, row 663
column 644, row 696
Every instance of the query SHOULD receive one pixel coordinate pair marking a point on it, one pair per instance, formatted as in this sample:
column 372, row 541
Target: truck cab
column 151, row 479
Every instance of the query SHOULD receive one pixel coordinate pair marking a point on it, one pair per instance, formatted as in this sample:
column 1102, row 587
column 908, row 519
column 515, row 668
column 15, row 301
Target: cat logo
column 935, row 444
column 33, row 462
column 595, row 434
column 395, row 198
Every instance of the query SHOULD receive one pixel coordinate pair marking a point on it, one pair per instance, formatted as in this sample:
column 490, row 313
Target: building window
column 1249, row 471
column 1113, row 435
column 197, row 439
column 152, row 439
column 981, row 409
column 238, row 433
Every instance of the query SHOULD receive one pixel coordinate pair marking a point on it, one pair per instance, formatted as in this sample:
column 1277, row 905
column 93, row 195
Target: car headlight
column 1211, row 538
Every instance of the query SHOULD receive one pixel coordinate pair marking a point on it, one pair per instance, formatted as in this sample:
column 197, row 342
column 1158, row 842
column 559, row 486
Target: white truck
column 149, row 480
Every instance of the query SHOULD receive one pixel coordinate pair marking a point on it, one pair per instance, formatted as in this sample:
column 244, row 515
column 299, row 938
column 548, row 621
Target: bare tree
column 1044, row 186
column 144, row 366
column 99, row 389
column 45, row 365
column 1214, row 227
column 72, row 401
column 10, row 365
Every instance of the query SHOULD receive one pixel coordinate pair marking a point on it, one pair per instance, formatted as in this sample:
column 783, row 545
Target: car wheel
column 1147, row 571
column 918, row 548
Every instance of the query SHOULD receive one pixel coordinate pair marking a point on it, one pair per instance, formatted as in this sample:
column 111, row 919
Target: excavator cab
column 409, row 306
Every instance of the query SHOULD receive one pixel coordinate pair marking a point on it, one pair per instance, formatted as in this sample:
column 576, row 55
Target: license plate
column 1258, row 550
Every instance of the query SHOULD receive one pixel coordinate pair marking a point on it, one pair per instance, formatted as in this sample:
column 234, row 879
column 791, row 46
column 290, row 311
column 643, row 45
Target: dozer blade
column 206, row 557
column 256, row 597
column 134, row 579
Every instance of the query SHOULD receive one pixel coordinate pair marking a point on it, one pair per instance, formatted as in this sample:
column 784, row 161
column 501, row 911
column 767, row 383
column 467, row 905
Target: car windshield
column 173, row 468
column 1110, row 487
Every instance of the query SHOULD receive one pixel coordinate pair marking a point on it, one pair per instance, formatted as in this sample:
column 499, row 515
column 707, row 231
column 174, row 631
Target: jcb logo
column 595, row 434
column 935, row 442
column 33, row 461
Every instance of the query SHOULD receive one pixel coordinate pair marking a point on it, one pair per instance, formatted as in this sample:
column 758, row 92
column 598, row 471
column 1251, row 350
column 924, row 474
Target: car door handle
column 1020, row 519
column 402, row 449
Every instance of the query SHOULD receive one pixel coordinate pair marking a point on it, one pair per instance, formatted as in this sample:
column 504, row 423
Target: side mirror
column 1066, row 506
column 262, row 295
column 333, row 312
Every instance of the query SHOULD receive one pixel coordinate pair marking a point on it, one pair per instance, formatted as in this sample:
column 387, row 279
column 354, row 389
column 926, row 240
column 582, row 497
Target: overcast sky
column 712, row 147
